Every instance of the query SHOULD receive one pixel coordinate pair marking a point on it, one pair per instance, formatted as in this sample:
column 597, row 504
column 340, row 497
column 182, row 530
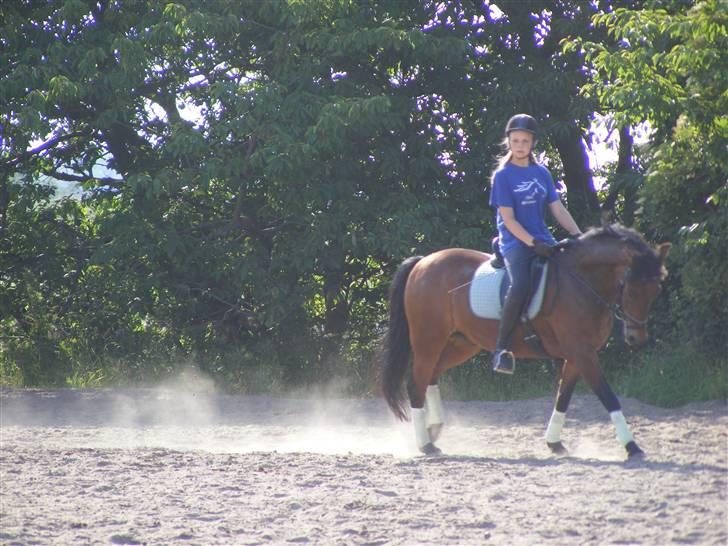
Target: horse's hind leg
column 457, row 351
column 423, row 366
column 430, row 359
column 434, row 414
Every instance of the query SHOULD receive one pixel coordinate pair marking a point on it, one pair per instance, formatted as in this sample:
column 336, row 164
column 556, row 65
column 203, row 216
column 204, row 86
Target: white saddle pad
column 485, row 292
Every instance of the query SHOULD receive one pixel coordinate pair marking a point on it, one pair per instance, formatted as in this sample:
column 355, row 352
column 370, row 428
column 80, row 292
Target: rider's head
column 521, row 133
column 522, row 122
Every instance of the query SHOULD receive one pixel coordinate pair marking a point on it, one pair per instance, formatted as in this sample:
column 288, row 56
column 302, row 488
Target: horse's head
column 642, row 283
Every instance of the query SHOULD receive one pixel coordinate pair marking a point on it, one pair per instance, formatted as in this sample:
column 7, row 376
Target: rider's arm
column 514, row 226
column 563, row 217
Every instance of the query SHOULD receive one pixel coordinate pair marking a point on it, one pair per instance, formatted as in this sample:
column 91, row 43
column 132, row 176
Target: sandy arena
column 164, row 466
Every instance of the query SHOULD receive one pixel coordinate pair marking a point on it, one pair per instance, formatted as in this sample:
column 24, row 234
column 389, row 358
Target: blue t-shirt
column 527, row 190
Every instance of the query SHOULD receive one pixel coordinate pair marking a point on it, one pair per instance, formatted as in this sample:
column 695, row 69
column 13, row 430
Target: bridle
column 616, row 308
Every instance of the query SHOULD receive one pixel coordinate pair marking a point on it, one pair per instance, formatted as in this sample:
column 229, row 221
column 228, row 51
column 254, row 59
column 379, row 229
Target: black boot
column 503, row 360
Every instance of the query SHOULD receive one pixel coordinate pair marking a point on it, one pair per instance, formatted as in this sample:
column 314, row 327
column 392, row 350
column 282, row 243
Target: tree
column 671, row 70
column 516, row 64
column 254, row 171
column 269, row 214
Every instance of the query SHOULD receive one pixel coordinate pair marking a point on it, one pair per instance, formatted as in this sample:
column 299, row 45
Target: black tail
column 396, row 349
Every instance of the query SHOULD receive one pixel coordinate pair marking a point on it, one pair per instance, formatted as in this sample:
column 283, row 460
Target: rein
column 616, row 308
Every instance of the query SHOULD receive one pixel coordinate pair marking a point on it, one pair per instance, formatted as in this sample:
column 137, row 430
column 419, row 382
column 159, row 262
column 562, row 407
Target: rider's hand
column 565, row 243
column 543, row 249
column 569, row 241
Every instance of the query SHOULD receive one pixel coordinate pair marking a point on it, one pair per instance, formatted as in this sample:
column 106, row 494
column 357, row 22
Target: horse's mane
column 646, row 263
column 620, row 232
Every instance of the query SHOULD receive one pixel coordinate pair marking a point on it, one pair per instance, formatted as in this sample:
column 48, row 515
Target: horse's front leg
column 593, row 375
column 569, row 377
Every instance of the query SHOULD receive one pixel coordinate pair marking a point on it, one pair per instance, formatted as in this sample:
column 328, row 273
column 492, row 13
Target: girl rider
column 521, row 190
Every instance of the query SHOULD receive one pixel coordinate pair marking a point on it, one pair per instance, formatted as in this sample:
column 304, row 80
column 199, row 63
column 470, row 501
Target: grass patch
column 674, row 378
column 664, row 376
column 475, row 380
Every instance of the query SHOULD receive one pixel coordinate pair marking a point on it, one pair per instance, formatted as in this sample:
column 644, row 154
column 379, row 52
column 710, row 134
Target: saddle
column 489, row 287
column 490, row 283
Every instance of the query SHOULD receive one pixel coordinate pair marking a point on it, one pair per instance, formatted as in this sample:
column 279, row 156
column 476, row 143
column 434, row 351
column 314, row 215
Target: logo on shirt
column 532, row 188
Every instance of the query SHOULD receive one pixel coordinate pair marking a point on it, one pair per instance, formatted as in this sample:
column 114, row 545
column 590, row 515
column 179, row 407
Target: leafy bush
column 674, row 376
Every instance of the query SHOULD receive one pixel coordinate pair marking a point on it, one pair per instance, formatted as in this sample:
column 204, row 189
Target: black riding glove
column 543, row 249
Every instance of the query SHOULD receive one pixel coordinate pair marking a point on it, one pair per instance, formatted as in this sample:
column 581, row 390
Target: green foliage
column 670, row 70
column 477, row 381
column 253, row 172
column 268, row 216
column 93, row 379
column 698, row 222
column 667, row 65
column 675, row 377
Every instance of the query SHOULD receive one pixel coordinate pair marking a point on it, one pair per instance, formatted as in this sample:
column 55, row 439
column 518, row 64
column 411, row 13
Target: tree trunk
column 625, row 180
column 337, row 312
column 582, row 198
column 625, row 161
column 4, row 204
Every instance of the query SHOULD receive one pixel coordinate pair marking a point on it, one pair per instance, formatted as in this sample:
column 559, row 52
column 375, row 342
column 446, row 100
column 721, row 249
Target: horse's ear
column 663, row 250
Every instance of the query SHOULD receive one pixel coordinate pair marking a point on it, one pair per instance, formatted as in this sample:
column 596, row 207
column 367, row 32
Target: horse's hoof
column 634, row 452
column 430, row 450
column 434, row 432
column 557, row 448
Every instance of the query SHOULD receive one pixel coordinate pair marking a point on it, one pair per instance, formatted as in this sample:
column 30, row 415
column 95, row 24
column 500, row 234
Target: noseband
column 618, row 308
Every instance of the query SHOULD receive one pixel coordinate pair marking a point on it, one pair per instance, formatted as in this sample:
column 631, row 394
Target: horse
column 606, row 272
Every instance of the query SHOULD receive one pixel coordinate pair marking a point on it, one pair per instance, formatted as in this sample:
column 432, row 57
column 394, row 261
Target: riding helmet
column 522, row 122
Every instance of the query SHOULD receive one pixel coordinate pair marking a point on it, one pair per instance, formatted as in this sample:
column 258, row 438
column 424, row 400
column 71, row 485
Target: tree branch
column 69, row 177
column 52, row 143
column 235, row 220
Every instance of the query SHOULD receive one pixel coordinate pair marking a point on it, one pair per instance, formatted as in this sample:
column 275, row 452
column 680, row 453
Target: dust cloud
column 187, row 412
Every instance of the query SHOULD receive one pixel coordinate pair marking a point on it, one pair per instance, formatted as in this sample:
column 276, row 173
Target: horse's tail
column 396, row 349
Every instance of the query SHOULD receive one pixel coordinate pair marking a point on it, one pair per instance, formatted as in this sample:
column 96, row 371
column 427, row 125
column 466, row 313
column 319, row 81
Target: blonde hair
column 503, row 159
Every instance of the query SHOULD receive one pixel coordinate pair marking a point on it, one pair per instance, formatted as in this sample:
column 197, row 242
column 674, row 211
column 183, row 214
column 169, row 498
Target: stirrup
column 504, row 362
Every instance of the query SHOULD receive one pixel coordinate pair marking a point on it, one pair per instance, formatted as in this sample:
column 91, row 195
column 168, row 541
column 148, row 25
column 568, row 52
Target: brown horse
column 609, row 271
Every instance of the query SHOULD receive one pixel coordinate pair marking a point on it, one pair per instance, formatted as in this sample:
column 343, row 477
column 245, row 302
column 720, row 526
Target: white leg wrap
column 433, row 406
column 418, row 420
column 623, row 433
column 556, row 423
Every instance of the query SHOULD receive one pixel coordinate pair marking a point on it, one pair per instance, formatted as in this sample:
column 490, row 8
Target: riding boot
column 503, row 360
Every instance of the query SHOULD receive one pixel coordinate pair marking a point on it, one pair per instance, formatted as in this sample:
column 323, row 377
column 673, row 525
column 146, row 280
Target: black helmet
column 522, row 122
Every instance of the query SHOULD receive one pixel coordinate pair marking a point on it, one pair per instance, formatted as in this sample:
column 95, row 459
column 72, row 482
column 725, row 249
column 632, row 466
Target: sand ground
column 169, row 466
